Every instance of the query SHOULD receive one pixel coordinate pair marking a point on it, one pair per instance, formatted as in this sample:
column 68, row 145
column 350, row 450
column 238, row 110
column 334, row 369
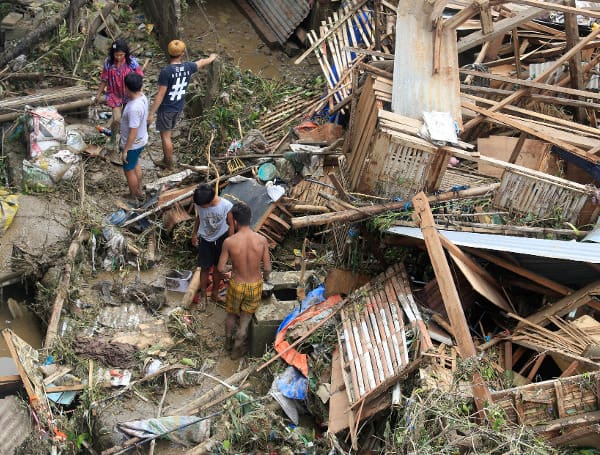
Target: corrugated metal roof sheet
column 559, row 73
column 415, row 88
column 15, row 424
column 282, row 16
column 556, row 249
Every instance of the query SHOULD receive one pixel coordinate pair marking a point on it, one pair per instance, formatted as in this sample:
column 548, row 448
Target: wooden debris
column 466, row 347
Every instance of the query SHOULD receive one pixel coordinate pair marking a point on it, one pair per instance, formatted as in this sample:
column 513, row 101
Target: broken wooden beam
column 543, row 281
column 458, row 320
column 566, row 304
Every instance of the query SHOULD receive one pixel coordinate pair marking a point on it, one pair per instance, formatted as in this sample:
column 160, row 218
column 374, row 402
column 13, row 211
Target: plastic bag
column 9, row 205
column 35, row 179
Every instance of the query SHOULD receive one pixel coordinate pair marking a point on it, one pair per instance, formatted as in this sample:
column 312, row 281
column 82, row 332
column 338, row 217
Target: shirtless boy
column 247, row 250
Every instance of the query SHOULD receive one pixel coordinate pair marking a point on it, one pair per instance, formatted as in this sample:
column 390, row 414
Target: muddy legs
column 238, row 344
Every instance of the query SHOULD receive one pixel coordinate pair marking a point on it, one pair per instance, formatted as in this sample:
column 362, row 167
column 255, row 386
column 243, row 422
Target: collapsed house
column 472, row 163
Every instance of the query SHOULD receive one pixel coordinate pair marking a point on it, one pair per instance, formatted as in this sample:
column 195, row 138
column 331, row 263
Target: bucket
column 178, row 281
column 267, row 172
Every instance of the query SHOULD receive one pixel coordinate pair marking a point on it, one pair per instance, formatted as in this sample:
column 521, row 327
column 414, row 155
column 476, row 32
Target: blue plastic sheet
column 292, row 384
column 317, row 295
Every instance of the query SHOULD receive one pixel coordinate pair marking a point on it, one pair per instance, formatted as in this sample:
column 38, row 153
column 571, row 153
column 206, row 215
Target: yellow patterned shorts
column 243, row 297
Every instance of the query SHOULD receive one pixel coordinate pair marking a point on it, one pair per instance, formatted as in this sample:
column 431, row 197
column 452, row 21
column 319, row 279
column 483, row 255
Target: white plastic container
column 177, row 280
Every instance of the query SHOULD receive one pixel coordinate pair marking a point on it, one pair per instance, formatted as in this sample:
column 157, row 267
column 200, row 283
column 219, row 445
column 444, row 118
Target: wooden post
column 517, row 51
column 188, row 297
column 63, row 289
column 575, row 69
column 458, row 321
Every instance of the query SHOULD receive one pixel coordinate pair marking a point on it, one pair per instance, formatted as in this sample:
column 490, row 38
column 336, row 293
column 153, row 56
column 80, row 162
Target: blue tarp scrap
column 317, row 295
column 292, row 384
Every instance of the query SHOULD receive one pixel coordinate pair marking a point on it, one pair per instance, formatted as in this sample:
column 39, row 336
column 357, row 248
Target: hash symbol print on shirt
column 178, row 89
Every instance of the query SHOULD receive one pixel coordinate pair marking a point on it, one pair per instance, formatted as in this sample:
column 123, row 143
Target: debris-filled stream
column 299, row 227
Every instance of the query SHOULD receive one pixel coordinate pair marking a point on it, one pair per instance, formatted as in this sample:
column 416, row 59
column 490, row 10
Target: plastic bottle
column 104, row 130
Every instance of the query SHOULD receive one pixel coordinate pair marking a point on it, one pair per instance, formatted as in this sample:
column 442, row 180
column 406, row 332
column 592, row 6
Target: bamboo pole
column 366, row 212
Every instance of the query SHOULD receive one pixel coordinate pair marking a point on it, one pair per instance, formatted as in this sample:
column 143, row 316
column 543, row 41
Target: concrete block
column 289, row 280
column 10, row 21
column 265, row 322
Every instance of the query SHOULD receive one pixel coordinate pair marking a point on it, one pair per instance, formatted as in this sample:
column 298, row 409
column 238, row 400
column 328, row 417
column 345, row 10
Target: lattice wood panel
column 541, row 402
column 543, row 198
column 373, row 338
column 396, row 168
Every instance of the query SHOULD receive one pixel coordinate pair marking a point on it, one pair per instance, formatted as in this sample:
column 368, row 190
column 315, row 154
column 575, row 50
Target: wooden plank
column 338, row 399
column 462, row 16
column 557, row 287
column 559, row 7
column 34, row 400
column 566, row 304
column 7, row 379
column 500, row 28
column 520, row 352
column 529, row 152
column 466, row 347
column 479, row 278
column 516, row 151
column 366, row 349
column 575, row 68
column 437, row 170
column 508, row 362
column 66, row 388
column 485, row 16
column 570, row 370
column 524, row 127
column 536, row 366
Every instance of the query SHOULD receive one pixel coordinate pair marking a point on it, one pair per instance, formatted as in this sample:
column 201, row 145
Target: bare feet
column 217, row 298
column 200, row 301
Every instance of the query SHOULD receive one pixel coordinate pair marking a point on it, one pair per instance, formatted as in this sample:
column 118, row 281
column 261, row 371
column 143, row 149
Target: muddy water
column 27, row 327
column 220, row 27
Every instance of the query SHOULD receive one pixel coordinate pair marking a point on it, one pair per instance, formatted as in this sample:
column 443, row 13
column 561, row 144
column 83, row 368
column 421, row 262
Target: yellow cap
column 176, row 48
column 595, row 25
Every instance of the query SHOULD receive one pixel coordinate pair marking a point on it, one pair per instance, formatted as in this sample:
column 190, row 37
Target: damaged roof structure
column 455, row 151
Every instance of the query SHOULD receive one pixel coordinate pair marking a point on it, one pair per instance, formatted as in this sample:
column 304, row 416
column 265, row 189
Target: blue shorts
column 133, row 157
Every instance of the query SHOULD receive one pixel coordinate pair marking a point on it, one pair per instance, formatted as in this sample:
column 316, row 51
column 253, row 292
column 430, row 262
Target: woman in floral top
column 117, row 65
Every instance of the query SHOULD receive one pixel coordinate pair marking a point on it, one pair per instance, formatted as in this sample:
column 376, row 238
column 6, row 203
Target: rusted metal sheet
column 282, row 16
column 15, row 423
column 417, row 88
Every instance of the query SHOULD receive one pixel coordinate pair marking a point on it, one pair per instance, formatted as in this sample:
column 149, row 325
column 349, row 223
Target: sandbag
column 46, row 129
